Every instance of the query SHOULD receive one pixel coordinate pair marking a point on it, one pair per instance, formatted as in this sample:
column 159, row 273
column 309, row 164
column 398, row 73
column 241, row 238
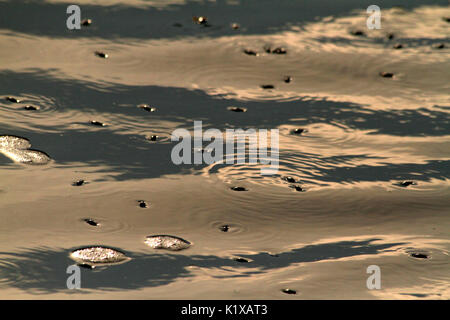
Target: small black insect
column 446, row 19
column 439, row 46
column 86, row 22
column 289, row 179
column 238, row 189
column 287, row 79
column 358, row 33
column 267, row 49
column 279, row 50
column 142, row 204
column 91, row 222
column 297, row 188
column 242, row 260
column 101, row 54
column 200, row 20
column 12, row 99
column 390, row 36
column 237, row 109
column 419, row 255
column 31, row 108
column 224, row 228
column 289, row 291
column 407, row 183
column 98, row 123
column 251, row 52
column 79, row 183
column 386, row 74
column 267, row 86
column 298, row 131
column 147, row 108
column 398, row 46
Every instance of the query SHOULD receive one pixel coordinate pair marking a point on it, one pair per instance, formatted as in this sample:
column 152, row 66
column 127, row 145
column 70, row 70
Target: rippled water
column 365, row 138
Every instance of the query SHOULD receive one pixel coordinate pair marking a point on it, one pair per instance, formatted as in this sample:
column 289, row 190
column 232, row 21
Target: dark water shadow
column 133, row 157
column 38, row 17
column 179, row 104
column 43, row 270
column 436, row 169
column 404, row 40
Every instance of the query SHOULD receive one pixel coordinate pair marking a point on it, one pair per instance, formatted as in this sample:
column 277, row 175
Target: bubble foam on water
column 98, row 255
column 13, row 142
column 17, row 149
column 167, row 242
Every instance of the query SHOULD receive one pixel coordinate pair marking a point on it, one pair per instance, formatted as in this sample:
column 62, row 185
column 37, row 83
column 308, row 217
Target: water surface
column 364, row 135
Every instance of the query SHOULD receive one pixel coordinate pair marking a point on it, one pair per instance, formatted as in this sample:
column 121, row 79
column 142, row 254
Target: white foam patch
column 14, row 142
column 167, row 242
column 98, row 255
column 17, row 149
